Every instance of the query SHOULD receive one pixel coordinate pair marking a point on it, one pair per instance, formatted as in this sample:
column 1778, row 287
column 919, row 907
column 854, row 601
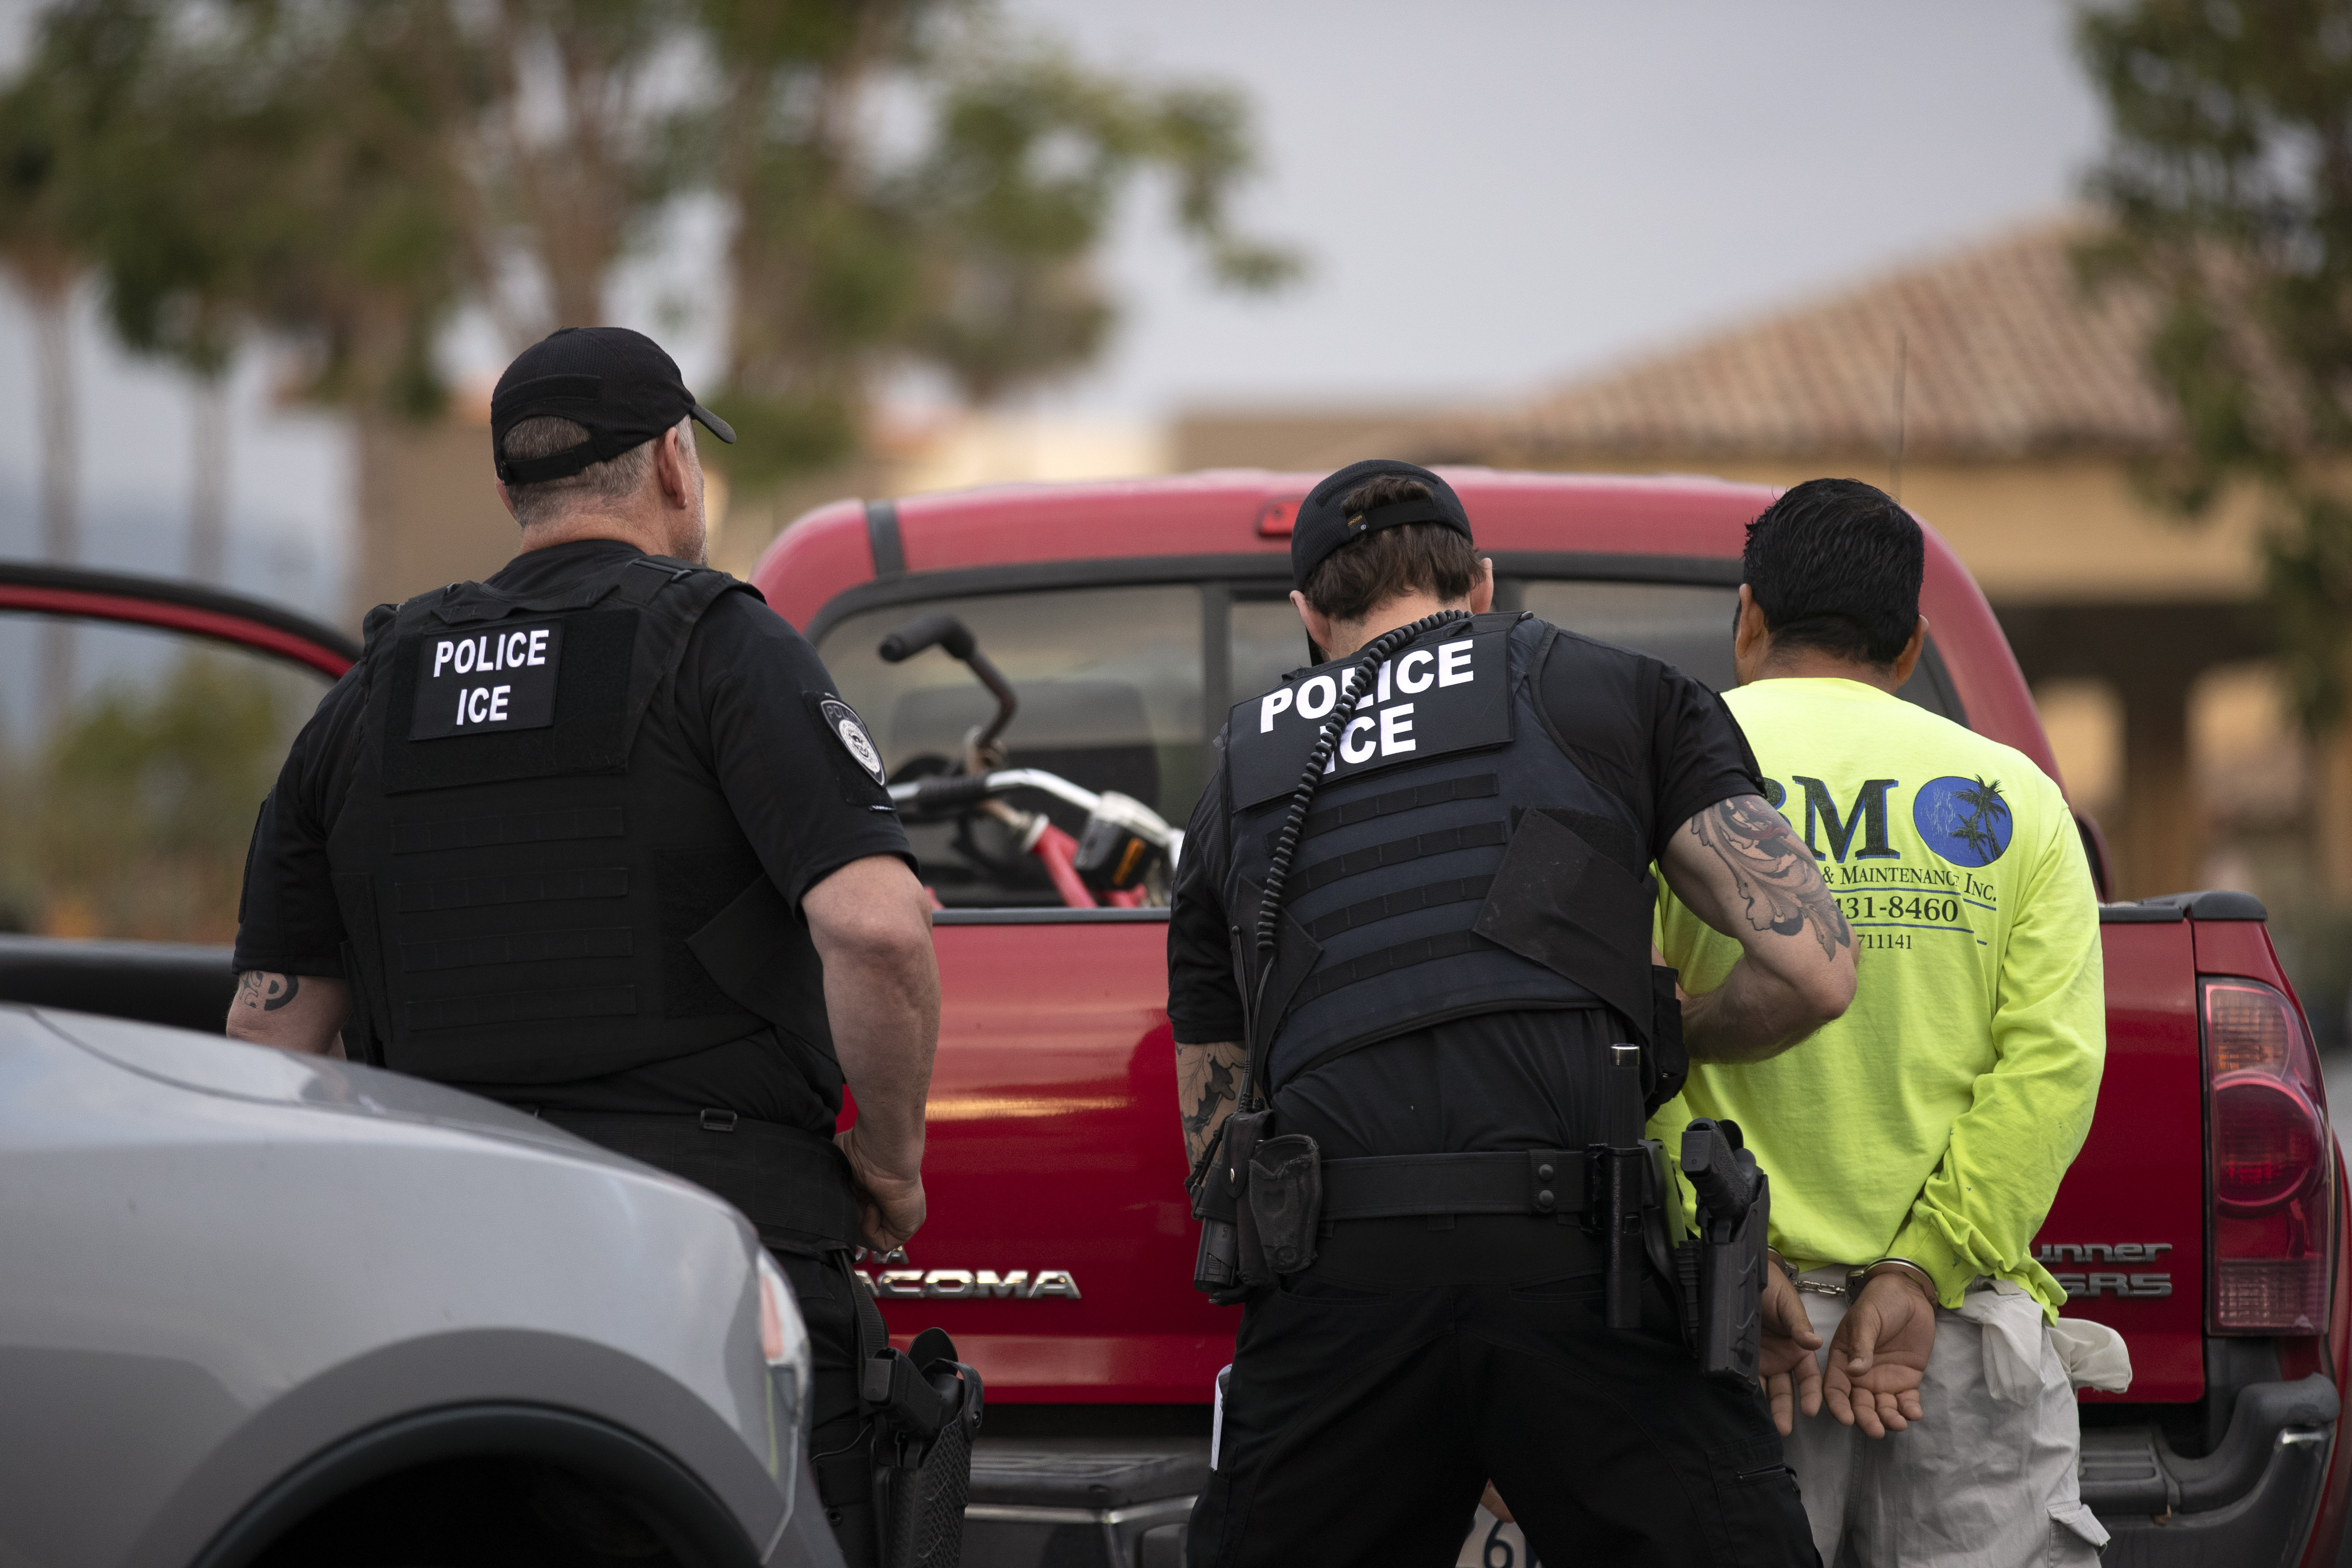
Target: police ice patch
column 483, row 682
column 852, row 737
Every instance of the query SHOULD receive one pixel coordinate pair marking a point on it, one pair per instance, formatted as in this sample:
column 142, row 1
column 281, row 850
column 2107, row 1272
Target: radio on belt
column 487, row 681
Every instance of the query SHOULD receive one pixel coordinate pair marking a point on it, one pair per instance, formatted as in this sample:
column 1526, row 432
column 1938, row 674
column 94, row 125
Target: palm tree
column 1980, row 829
column 39, row 258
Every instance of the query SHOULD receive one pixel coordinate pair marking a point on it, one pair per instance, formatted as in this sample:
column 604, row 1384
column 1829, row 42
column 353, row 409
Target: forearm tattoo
column 1773, row 870
column 265, row 992
column 1208, row 1084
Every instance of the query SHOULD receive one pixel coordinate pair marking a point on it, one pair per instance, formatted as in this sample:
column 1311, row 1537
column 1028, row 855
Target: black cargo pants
column 841, row 1441
column 1374, row 1396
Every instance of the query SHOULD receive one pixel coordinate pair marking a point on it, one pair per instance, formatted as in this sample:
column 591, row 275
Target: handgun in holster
column 1259, row 1199
column 1721, row 1269
column 925, row 1407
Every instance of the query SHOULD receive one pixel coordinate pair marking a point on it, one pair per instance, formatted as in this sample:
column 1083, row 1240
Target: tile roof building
column 1995, row 353
column 2007, row 405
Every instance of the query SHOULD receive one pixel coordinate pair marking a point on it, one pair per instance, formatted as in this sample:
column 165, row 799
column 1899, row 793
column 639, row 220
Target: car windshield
column 131, row 762
column 1123, row 687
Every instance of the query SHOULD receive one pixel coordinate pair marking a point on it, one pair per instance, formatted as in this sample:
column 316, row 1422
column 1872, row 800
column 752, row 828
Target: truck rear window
column 1122, row 686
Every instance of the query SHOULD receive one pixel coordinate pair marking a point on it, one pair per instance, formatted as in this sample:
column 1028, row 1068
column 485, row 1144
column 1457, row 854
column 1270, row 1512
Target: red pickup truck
column 2204, row 1218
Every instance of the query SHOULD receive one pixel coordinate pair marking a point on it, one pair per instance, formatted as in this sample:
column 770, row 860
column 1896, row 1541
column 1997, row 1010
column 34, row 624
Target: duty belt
column 1555, row 1181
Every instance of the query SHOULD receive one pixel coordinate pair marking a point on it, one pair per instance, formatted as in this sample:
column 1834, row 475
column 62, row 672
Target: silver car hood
column 213, row 1064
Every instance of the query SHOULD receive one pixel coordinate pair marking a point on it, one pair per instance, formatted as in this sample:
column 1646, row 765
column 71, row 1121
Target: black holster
column 1626, row 1198
column 1721, row 1271
column 1259, row 1199
column 926, row 1407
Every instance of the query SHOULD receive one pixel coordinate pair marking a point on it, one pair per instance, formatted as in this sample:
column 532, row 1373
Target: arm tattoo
column 1208, row 1084
column 259, row 988
column 1771, row 870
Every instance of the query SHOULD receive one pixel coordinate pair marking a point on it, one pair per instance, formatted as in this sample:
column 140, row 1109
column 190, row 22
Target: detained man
column 1916, row 1142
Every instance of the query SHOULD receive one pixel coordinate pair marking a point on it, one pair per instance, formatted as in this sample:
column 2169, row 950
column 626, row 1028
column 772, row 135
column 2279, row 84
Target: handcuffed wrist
column 1788, row 1270
column 1908, row 1269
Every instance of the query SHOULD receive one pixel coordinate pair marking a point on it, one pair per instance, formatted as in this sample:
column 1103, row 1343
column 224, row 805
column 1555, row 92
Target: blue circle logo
column 1965, row 821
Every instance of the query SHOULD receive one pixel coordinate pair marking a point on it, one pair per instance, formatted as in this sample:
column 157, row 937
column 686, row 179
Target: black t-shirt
column 1658, row 741
column 735, row 706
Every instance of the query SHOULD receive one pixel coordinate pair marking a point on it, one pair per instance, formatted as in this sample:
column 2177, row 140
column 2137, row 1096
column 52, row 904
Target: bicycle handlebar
column 949, row 633
column 969, row 789
column 942, row 631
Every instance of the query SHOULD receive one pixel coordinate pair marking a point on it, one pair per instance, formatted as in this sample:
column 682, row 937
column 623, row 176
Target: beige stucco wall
column 2053, row 531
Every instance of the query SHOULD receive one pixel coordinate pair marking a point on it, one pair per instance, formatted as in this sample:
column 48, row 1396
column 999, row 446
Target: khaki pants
column 1980, row 1483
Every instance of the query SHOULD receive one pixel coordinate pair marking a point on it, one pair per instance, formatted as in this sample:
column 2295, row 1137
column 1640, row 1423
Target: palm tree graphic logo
column 1980, row 830
column 1965, row 820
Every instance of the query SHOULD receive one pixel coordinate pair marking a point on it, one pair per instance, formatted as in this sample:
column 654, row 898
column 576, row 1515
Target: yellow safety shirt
column 1934, row 1119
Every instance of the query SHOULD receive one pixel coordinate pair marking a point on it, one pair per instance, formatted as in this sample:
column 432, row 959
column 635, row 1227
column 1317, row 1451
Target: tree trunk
column 60, row 484
column 208, row 481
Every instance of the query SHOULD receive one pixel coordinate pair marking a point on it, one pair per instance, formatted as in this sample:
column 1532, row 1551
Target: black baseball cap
column 1321, row 527
column 615, row 383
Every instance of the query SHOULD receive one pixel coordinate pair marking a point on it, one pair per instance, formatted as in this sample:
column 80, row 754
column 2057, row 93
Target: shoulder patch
column 842, row 719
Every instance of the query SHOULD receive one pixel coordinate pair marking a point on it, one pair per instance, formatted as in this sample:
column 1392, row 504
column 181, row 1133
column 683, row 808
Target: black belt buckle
column 718, row 1121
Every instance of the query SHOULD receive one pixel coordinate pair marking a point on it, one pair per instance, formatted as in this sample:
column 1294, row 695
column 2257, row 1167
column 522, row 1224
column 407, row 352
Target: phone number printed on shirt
column 1863, row 908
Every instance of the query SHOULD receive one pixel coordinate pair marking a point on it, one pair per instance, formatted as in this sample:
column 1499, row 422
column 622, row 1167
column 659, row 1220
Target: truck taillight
column 2267, row 1147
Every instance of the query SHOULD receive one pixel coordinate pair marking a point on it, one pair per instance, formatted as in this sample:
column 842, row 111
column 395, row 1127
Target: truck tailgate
column 2126, row 1236
column 1055, row 1154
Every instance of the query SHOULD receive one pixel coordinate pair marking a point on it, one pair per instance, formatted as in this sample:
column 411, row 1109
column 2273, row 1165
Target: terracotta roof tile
column 2006, row 355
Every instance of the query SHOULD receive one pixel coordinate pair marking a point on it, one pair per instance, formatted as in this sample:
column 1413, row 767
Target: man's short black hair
column 1835, row 564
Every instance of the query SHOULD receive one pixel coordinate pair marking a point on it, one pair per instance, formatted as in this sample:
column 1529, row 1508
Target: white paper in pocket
column 1217, row 1422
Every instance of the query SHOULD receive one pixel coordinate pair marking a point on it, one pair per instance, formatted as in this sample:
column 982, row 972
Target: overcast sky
column 1493, row 194
column 1498, row 193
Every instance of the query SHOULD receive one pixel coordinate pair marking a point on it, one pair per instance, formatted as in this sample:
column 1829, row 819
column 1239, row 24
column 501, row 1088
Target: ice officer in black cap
column 597, row 838
column 1410, row 938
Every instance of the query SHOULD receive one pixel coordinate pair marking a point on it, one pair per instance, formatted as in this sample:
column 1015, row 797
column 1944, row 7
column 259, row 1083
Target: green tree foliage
column 2229, row 178
column 348, row 173
column 140, row 811
column 970, row 255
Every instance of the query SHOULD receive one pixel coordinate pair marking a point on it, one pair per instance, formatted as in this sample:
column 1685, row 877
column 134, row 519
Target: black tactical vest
column 1455, row 861
column 530, row 895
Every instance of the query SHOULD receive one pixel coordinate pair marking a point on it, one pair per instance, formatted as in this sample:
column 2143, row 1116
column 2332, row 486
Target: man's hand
column 1879, row 1353
column 891, row 1205
column 300, row 1013
column 872, row 927
column 1788, row 1369
column 1738, row 868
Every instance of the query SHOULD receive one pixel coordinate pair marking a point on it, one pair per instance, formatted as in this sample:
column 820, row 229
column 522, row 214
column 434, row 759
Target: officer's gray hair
column 613, row 481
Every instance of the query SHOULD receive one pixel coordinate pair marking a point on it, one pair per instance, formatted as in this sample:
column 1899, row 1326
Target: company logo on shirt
column 1846, row 825
column 1965, row 821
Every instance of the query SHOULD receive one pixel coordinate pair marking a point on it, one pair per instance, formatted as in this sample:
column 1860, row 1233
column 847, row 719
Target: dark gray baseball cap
column 1321, row 527
column 618, row 385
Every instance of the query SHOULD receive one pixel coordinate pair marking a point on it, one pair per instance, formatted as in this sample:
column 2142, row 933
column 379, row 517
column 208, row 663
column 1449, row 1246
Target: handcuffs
column 1855, row 1278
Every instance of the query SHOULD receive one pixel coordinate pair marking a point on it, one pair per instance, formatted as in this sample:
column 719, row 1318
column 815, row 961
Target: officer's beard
column 690, row 537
